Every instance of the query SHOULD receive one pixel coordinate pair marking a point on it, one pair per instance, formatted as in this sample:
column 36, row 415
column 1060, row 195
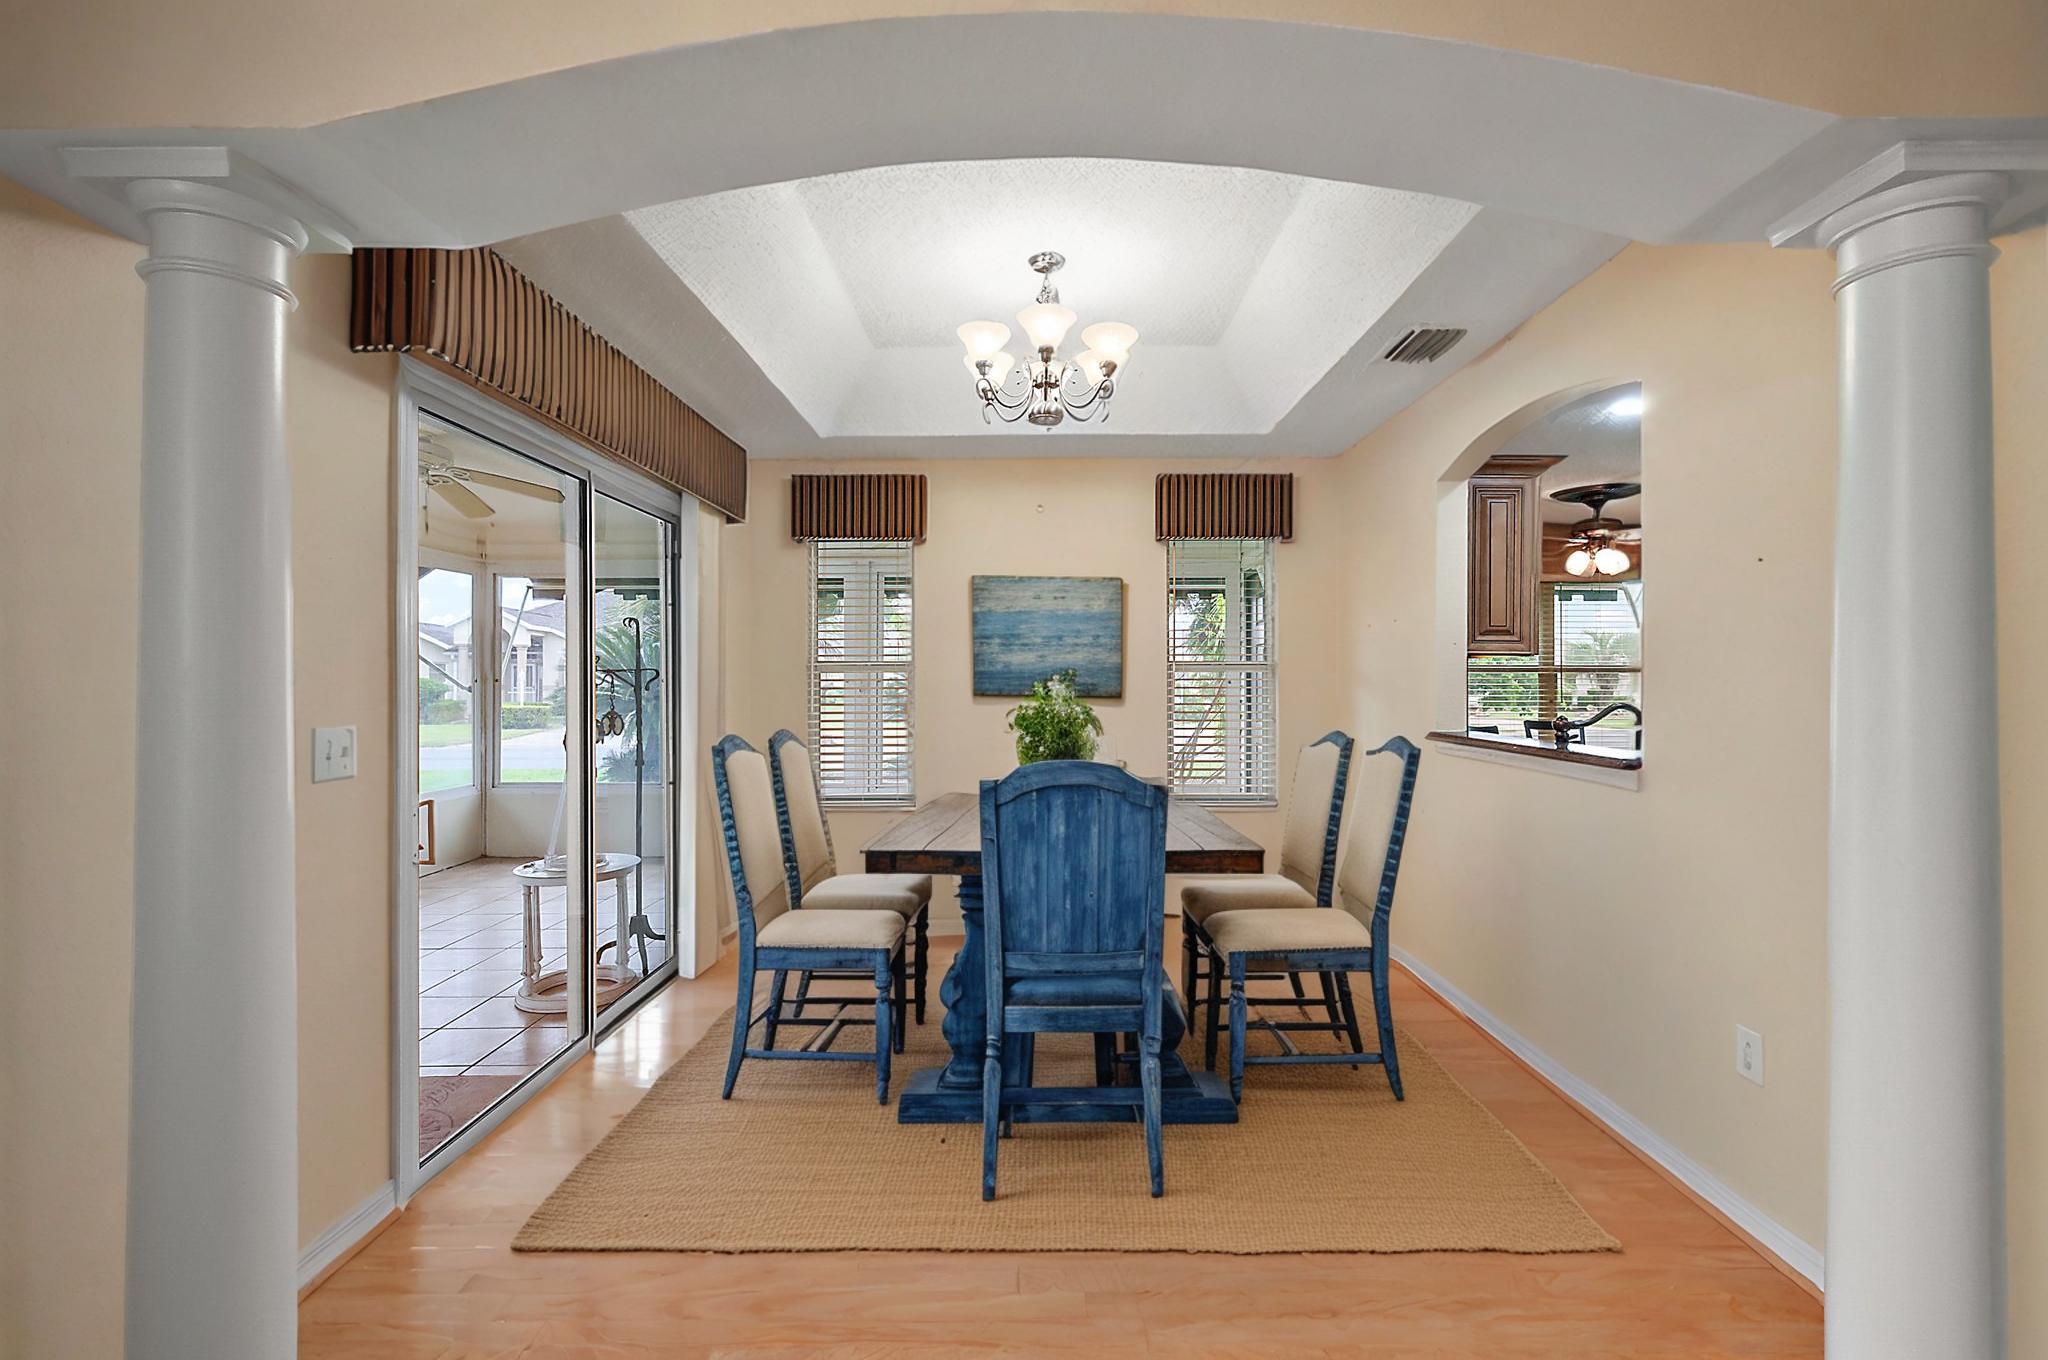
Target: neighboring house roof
column 442, row 633
column 542, row 616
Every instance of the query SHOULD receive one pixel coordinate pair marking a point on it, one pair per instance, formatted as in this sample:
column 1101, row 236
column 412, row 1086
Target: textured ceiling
column 1246, row 286
column 1599, row 445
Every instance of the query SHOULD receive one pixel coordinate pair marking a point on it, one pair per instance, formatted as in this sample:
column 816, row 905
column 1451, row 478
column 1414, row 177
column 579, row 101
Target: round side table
column 548, row 993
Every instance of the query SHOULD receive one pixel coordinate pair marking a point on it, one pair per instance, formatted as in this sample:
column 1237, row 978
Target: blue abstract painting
column 1029, row 627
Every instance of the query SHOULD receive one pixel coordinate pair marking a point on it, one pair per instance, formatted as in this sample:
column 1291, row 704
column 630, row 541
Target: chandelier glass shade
column 1046, row 389
column 1602, row 561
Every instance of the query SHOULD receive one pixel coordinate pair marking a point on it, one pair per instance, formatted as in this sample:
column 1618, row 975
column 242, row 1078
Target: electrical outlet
column 334, row 753
column 1749, row 1054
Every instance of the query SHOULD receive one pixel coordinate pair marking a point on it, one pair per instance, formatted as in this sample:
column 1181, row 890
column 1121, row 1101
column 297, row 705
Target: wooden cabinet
column 1504, row 550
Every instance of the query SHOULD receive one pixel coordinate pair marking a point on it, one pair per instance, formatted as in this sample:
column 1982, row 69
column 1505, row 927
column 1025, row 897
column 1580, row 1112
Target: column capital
column 194, row 227
column 210, row 181
column 1923, row 219
column 1892, row 178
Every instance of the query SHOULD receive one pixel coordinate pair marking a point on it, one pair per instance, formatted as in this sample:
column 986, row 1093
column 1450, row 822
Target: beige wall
column 70, row 422
column 1072, row 517
column 1720, row 915
column 72, row 392
column 131, row 64
column 2019, row 337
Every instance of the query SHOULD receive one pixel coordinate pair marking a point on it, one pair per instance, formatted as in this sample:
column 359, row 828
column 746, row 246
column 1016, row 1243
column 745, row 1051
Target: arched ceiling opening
column 1551, row 163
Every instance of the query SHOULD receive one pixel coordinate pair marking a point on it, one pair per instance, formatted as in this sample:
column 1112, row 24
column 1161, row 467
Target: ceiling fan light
column 1579, row 563
column 1111, row 339
column 983, row 339
column 1047, row 323
column 1610, row 561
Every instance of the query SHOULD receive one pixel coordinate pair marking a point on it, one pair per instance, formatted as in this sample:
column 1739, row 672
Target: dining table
column 943, row 838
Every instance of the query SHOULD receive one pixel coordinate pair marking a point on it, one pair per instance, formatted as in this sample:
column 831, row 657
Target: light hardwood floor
column 442, row 1281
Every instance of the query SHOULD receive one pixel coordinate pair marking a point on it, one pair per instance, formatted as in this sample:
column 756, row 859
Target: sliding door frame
column 422, row 386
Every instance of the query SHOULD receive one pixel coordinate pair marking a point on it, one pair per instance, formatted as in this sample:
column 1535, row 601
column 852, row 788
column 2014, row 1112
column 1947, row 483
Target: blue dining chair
column 1073, row 872
column 1351, row 937
column 775, row 938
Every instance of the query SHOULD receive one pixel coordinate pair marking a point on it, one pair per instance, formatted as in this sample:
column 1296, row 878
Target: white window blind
column 861, row 677
column 1221, row 708
column 1589, row 654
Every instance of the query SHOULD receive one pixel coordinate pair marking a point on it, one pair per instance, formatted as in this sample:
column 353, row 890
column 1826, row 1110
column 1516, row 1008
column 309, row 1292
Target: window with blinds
column 861, row 676
column 1221, row 709
column 1590, row 654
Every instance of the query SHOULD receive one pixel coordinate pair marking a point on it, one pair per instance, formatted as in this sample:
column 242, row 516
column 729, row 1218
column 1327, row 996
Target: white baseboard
column 1794, row 1251
column 341, row 1237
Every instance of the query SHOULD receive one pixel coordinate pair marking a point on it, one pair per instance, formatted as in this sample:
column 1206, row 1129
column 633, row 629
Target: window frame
column 1236, row 606
column 875, row 798
column 1549, row 674
column 502, row 685
column 431, row 560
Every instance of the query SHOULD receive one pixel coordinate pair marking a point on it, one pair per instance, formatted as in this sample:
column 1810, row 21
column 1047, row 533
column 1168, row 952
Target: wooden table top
column 944, row 837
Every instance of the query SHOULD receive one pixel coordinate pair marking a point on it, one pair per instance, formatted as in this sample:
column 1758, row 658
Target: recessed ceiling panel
column 1246, row 286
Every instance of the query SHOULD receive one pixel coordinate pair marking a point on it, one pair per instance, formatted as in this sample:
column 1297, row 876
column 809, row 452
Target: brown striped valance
column 867, row 505
column 480, row 318
column 1224, row 505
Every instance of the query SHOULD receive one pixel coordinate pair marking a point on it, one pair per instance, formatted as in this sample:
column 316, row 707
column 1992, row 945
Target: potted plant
column 1054, row 723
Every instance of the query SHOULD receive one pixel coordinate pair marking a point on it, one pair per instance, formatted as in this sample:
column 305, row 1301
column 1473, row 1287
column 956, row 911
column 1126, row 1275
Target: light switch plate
column 334, row 753
column 1749, row 1054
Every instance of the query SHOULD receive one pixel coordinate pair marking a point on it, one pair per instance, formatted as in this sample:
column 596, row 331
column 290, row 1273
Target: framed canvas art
column 1029, row 627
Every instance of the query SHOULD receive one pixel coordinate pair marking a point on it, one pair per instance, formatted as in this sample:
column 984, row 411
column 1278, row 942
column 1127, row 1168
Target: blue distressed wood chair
column 1326, row 940
column 815, row 884
column 775, row 938
column 1073, row 871
column 1307, row 878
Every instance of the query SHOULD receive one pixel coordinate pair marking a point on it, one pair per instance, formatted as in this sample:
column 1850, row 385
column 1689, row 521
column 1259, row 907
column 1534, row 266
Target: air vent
column 1424, row 344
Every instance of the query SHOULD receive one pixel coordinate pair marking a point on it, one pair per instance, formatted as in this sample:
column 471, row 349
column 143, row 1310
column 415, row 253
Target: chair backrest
column 1315, row 815
column 1073, row 873
column 1379, row 828
column 800, row 812
column 753, row 842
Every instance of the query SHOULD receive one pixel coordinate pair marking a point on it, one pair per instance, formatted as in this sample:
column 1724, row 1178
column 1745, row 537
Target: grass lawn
column 444, row 734
column 433, row 781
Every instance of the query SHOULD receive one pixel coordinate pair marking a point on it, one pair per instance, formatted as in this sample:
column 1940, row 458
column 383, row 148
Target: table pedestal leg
column 952, row 1094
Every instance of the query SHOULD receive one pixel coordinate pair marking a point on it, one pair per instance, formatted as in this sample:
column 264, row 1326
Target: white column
column 213, row 1139
column 1916, row 1178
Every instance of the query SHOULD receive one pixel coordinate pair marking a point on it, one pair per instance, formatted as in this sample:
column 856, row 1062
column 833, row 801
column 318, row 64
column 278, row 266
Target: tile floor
column 470, row 944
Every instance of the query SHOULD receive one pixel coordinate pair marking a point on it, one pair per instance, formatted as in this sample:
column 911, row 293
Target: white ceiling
column 1246, row 286
column 1599, row 444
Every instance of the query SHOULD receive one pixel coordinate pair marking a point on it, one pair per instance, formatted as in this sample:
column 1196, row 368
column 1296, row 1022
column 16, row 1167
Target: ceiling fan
column 454, row 482
column 1596, row 540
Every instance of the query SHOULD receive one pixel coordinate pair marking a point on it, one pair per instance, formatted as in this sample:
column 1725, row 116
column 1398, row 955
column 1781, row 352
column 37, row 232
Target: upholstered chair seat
column 833, row 930
column 905, row 894
column 811, row 869
column 1206, row 897
column 1286, row 930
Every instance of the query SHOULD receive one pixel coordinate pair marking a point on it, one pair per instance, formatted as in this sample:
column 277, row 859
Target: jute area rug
column 1323, row 1159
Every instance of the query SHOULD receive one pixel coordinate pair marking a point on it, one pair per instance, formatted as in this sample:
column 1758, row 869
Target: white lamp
column 983, row 339
column 1608, row 561
column 1047, row 323
column 1579, row 562
column 1111, row 340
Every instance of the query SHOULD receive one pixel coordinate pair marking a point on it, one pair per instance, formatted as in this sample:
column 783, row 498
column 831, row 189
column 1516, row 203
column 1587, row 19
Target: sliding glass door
column 538, row 806
column 632, row 567
column 502, row 893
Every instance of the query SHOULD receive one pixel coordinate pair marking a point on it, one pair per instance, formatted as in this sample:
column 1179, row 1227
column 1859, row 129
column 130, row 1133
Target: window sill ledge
column 867, row 805
column 1231, row 804
column 1621, row 770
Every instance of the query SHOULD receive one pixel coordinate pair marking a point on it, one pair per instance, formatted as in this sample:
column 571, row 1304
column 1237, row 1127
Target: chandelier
column 1047, row 389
